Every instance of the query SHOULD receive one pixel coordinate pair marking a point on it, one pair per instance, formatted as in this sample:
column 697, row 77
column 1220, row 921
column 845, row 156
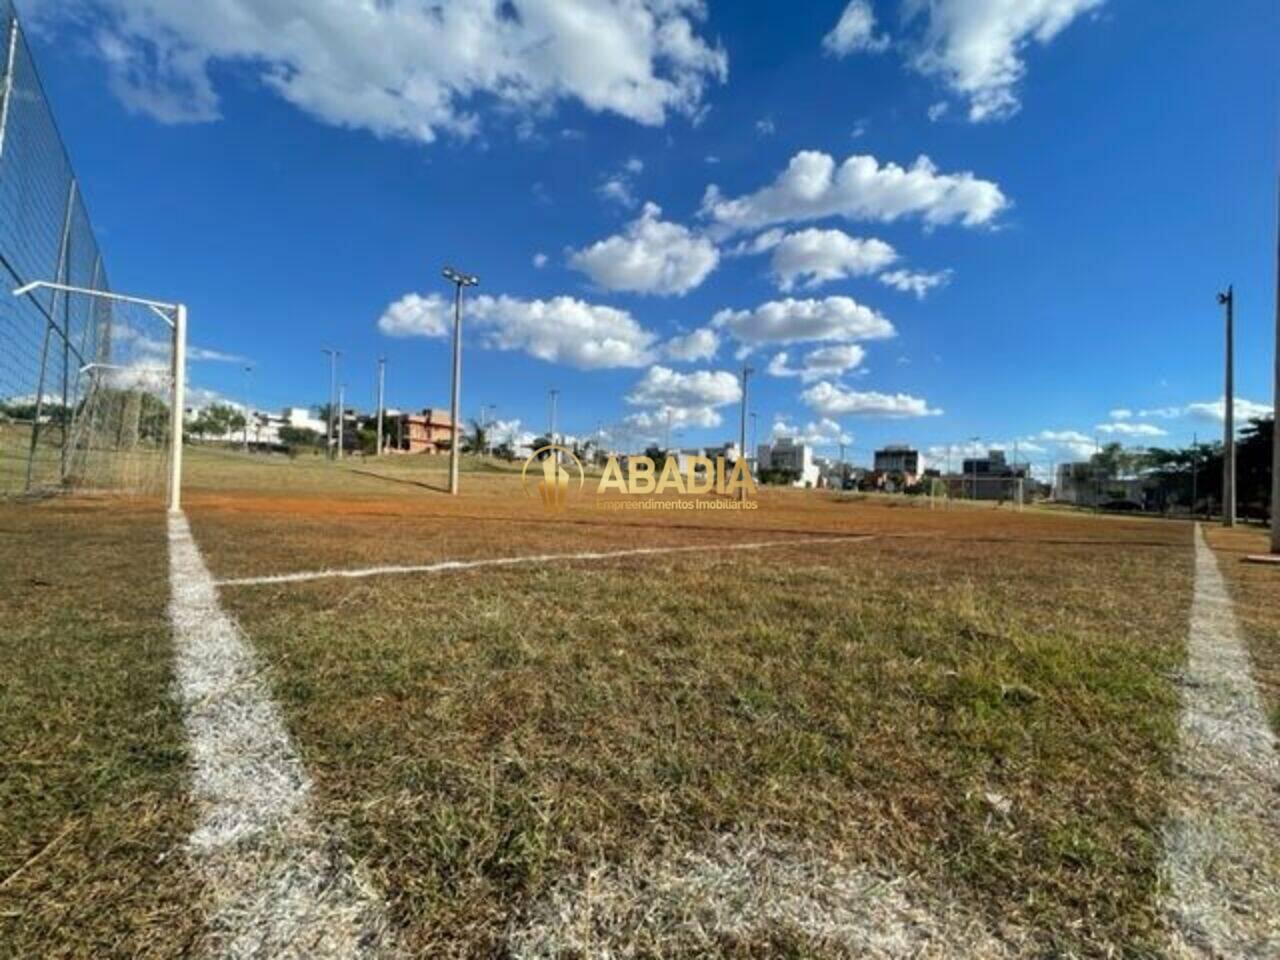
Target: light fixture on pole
column 1228, row 301
column 459, row 280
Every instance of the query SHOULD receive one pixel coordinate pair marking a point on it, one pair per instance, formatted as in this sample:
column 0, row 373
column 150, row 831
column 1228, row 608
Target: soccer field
column 828, row 727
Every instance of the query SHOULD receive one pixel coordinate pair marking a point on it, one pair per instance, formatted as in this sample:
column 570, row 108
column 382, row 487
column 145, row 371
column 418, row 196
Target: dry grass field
column 884, row 716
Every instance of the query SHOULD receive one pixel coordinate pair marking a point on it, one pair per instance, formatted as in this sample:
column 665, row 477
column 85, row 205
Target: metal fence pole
column 10, row 63
column 50, row 327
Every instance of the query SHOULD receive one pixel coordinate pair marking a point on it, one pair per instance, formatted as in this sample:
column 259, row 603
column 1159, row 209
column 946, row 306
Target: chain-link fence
column 78, row 380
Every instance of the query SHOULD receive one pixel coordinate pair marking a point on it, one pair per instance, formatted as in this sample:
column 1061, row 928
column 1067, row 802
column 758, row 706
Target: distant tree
column 300, row 437
column 658, row 456
column 478, row 439
column 778, row 477
column 1253, row 467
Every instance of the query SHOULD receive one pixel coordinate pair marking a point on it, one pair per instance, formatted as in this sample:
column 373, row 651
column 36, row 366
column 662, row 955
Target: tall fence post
column 11, row 61
column 49, row 327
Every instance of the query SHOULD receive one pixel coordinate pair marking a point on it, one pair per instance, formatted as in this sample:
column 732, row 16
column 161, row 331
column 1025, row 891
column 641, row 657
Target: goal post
column 998, row 491
column 116, row 433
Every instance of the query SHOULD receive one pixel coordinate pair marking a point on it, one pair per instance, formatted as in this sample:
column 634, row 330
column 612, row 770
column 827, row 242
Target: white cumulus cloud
column 1128, row 428
column 819, row 364
column 792, row 321
column 822, row 433
column 814, row 257
column 408, row 68
column 559, row 330
column 701, row 344
column 861, row 188
column 976, row 47
column 917, row 282
column 833, row 400
column 855, row 31
column 682, row 399
column 650, row 256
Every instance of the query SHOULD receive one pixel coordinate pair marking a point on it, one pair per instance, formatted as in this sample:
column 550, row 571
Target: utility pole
column 1275, row 423
column 342, row 418
column 459, row 280
column 248, row 373
column 488, row 416
column 742, row 426
column 552, row 394
column 382, row 384
column 754, row 437
column 1228, row 300
column 1195, row 471
column 333, row 392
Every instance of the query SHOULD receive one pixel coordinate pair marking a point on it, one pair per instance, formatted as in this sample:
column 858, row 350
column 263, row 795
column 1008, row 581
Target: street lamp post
column 333, row 394
column 382, row 380
column 1275, row 423
column 459, row 280
column 248, row 374
column 742, row 427
column 342, row 419
column 1228, row 300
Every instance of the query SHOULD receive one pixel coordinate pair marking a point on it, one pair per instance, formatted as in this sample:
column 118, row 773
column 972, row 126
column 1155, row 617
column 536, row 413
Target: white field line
column 448, row 566
column 278, row 883
column 1221, row 871
column 751, row 888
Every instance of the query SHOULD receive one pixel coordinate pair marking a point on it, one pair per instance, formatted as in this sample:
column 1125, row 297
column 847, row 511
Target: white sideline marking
column 445, row 566
column 279, row 883
column 1222, row 856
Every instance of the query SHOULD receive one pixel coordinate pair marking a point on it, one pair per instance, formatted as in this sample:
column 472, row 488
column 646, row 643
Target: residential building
column 786, row 453
column 897, row 458
column 427, row 432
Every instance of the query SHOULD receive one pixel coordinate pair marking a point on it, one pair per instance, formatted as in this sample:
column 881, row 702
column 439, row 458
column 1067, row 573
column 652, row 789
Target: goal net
column 88, row 403
column 996, row 491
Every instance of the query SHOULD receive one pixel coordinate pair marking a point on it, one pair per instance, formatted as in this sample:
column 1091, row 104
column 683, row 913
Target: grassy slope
column 93, row 779
column 486, row 736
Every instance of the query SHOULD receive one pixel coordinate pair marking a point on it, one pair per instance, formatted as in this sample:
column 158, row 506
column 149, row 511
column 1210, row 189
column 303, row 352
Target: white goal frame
column 175, row 315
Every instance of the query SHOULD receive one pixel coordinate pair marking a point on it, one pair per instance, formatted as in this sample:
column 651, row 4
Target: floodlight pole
column 342, row 418
column 459, row 280
column 248, row 375
column 742, row 426
column 333, row 393
column 1275, row 423
column 382, row 377
column 1228, row 300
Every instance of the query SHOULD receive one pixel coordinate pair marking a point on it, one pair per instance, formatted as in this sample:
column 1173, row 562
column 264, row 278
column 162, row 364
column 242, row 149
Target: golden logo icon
column 553, row 488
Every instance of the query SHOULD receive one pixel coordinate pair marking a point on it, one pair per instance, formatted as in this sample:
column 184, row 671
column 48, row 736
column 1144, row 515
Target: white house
column 786, row 453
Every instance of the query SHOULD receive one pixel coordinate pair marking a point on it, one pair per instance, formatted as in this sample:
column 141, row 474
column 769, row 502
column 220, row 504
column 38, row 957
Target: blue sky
column 1097, row 170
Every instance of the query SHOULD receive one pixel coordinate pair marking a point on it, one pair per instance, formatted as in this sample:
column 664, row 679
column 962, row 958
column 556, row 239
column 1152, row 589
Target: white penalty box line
column 449, row 566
